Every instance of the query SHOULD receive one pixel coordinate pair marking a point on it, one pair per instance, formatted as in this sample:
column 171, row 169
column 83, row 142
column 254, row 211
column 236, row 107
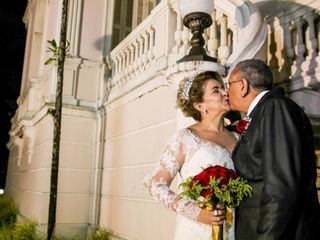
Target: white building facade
column 119, row 100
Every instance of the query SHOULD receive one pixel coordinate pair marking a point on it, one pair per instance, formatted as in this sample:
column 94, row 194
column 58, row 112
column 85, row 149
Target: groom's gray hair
column 257, row 73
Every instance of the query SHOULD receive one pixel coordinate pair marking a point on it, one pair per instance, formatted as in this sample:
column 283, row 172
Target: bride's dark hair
column 195, row 94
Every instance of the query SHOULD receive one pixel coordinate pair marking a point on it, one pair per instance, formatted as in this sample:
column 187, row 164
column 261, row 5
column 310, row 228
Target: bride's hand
column 214, row 217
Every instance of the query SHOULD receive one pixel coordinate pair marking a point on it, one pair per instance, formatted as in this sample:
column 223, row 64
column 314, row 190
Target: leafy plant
column 55, row 51
column 98, row 233
column 6, row 232
column 8, row 211
column 25, row 231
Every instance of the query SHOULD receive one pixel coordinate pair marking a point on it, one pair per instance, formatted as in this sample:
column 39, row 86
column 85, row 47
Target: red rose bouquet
column 216, row 185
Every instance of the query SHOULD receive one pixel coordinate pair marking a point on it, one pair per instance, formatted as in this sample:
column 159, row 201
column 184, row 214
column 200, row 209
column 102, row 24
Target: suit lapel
column 254, row 112
column 277, row 91
column 237, row 145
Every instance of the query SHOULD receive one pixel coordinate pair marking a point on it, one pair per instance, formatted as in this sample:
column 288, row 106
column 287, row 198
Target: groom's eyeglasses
column 227, row 85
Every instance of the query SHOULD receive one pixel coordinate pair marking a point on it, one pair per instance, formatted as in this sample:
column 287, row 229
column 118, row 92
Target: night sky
column 12, row 42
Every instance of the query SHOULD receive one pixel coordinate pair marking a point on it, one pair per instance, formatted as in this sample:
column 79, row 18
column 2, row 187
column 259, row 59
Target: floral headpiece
column 187, row 86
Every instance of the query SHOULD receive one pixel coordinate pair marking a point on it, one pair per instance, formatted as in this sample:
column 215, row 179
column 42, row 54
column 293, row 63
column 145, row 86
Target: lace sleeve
column 158, row 183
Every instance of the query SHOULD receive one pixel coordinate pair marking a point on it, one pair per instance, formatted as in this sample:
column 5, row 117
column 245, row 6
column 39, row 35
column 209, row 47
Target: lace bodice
column 184, row 154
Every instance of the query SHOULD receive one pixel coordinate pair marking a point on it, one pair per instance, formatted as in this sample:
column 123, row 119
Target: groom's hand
column 214, row 217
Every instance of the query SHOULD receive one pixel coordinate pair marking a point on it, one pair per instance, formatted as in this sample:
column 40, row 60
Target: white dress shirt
column 255, row 101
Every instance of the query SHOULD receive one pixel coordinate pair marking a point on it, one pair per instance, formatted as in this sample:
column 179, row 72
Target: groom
column 276, row 156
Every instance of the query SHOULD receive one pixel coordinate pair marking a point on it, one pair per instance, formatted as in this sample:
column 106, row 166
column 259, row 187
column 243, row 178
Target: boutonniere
column 240, row 126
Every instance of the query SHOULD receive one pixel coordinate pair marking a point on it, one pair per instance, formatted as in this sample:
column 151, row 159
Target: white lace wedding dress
column 186, row 154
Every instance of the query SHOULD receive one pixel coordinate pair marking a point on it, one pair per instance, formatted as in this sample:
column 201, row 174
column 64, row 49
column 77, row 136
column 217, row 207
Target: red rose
column 202, row 178
column 228, row 194
column 216, row 172
column 206, row 193
column 241, row 126
column 233, row 174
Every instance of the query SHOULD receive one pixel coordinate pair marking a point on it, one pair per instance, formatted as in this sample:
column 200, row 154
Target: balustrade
column 138, row 50
column 132, row 56
column 162, row 37
column 300, row 34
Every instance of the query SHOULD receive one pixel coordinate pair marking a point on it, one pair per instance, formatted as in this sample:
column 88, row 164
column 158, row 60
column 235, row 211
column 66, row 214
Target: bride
column 192, row 149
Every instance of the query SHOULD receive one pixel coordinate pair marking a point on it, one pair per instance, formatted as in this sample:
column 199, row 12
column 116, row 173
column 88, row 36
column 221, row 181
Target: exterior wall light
column 196, row 16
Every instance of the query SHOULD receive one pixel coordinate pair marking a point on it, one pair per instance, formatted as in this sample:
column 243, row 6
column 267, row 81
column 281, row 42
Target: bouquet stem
column 217, row 232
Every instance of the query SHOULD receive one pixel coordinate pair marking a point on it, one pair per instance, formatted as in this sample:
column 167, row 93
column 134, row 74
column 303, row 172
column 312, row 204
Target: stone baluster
column 318, row 30
column 140, row 40
column 145, row 37
column 109, row 83
column 113, row 67
column 178, row 34
column 287, row 39
column 117, row 63
column 131, row 48
column 136, row 56
column 312, row 40
column 318, row 38
column 185, row 40
column 300, row 48
column 151, row 33
column 119, row 69
column 123, row 72
column 223, row 51
column 120, row 64
column 118, row 77
column 213, row 39
column 235, row 36
column 206, row 37
column 127, row 58
column 123, row 64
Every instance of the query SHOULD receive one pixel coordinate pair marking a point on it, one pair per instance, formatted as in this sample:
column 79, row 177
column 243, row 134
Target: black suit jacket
column 276, row 155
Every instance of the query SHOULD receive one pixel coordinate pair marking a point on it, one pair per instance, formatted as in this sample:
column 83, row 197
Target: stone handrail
column 300, row 55
column 137, row 51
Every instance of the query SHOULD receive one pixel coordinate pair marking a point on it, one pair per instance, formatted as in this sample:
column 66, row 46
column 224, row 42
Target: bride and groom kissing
column 275, row 155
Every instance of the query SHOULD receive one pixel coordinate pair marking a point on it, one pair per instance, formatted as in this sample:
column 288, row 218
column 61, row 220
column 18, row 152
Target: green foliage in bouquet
column 216, row 185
